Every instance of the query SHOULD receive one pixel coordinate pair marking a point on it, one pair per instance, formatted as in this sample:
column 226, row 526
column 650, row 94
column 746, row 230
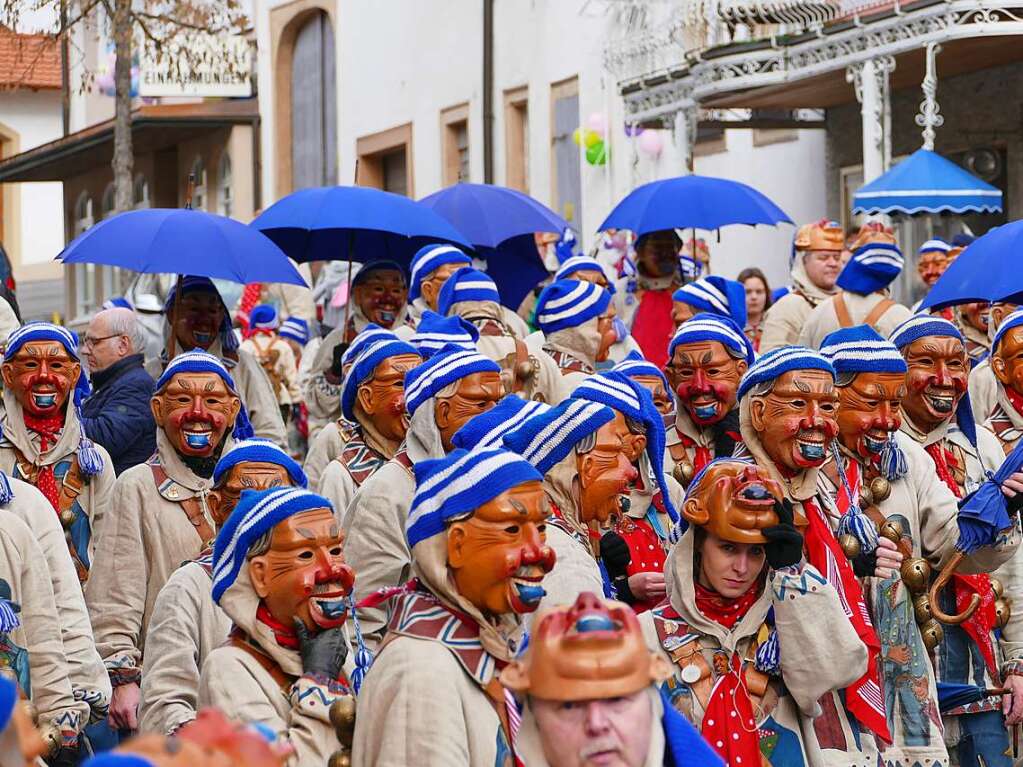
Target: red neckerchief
column 652, row 325
column 703, row 454
column 48, row 430
column 1015, row 398
column 863, row 697
column 284, row 635
column 979, row 625
column 728, row 723
column 722, row 610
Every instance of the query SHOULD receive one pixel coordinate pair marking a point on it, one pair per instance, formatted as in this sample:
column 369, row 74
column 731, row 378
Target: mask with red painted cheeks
column 499, row 555
column 41, row 375
column 870, row 412
column 936, row 381
column 381, row 398
column 195, row 411
column 795, row 421
column 706, row 378
column 604, row 471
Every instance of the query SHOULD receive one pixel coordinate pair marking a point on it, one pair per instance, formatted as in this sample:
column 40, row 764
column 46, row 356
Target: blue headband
column 257, row 450
column 295, row 328
column 429, row 259
column 872, row 267
column 568, row 304
column 861, row 350
column 547, row 438
column 712, row 327
column 581, row 264
column 467, row 284
column 369, row 335
column 778, row 362
column 934, row 246
column 365, row 364
column 487, row 429
column 715, row 295
column 442, row 369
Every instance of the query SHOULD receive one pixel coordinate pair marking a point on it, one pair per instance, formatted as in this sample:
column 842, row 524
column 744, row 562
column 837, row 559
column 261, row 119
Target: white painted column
column 684, row 132
column 870, row 80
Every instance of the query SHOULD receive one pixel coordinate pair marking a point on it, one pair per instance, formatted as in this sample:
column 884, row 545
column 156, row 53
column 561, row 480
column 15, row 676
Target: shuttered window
column 314, row 105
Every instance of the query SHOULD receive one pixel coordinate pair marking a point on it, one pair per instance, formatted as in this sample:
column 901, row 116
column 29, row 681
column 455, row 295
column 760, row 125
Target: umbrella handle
column 939, row 583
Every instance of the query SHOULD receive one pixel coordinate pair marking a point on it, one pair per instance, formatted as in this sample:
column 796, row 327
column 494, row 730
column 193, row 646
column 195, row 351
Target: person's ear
column 236, row 406
column 213, row 501
column 757, row 407
column 156, row 406
column 8, row 374
column 456, row 545
column 694, row 513
column 741, row 366
column 442, row 414
column 364, row 398
column 998, row 366
column 259, row 574
column 76, row 371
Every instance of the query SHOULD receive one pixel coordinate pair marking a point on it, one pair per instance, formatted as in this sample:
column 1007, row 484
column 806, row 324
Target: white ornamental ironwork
column 930, row 117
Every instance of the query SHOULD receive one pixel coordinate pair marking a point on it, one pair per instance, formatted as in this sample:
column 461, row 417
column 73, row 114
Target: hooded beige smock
column 34, row 648
column 375, row 543
column 285, row 367
column 1004, row 421
column 185, row 627
column 323, row 448
column 235, row 682
column 823, row 320
column 88, row 676
column 421, row 704
column 341, row 480
column 684, row 427
column 95, row 495
column 819, row 648
column 984, row 388
column 785, row 319
column 148, row 536
column 574, row 350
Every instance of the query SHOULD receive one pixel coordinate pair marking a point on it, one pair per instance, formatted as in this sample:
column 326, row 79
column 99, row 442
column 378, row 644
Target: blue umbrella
column 926, row 182
column 182, row 241
column 953, row 695
column 988, row 270
column 500, row 223
column 692, row 202
column 354, row 223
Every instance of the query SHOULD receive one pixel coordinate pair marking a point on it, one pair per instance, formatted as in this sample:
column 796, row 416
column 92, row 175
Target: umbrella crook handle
column 939, row 583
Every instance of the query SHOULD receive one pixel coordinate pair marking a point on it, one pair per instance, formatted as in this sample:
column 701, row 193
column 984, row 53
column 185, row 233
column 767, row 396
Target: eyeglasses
column 92, row 340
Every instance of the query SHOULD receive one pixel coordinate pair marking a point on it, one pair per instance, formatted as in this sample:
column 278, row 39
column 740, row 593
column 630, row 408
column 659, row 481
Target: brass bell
column 340, row 759
column 524, row 371
column 916, row 574
column 891, row 530
column 1003, row 611
column 67, row 517
column 997, row 588
column 850, row 545
column 342, row 716
column 880, row 488
column 866, row 497
column 50, row 734
column 922, row 609
column 684, row 473
column 932, row 634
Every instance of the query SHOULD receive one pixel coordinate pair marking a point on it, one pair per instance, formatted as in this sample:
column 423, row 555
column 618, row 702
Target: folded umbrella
column 952, row 695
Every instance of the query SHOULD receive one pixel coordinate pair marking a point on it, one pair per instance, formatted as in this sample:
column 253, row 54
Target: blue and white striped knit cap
column 778, row 362
column 454, row 486
column 635, row 365
column 442, row 369
column 429, row 258
column 1013, row 320
column 435, row 332
column 621, row 393
column 712, row 327
column 264, row 317
column 488, row 429
column 872, row 267
column 716, row 295
column 363, row 369
column 547, row 438
column 370, row 335
column 581, row 264
column 198, row 361
column 256, row 450
column 568, row 304
column 257, row 512
column 192, row 284
column 689, row 267
column 295, row 328
column 47, row 331
column 921, row 326
column 467, row 284
column 934, row 246
column 860, row 349
column 114, row 759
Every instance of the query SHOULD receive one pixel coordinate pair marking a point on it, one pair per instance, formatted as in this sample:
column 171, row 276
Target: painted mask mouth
column 202, row 338
column 874, row 441
column 940, row 401
column 44, row 400
column 329, row 610
column 811, row 446
column 588, row 622
column 387, row 316
column 528, row 591
column 753, row 494
column 198, row 436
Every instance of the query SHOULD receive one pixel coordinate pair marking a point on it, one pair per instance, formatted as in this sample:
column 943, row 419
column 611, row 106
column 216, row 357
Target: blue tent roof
column 926, row 182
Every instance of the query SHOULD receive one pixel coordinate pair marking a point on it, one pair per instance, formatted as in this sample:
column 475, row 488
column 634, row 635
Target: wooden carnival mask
column 499, row 555
column 42, row 376
column 381, row 397
column 604, row 471
column 591, row 650
column 1007, row 360
column 607, row 333
column 430, row 285
column 660, row 395
column 474, row 394
column 247, row 475
column 681, row 313
column 795, row 421
column 196, row 319
column 734, row 501
column 381, row 296
column 303, row 575
column 706, row 379
column 976, row 314
column 936, row 381
column 595, row 276
column 195, row 411
column 870, row 412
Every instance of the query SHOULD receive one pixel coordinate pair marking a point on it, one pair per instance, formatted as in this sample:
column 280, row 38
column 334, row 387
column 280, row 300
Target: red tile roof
column 28, row 61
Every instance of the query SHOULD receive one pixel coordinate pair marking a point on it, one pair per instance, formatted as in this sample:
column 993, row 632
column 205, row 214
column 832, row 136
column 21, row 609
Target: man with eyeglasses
column 117, row 414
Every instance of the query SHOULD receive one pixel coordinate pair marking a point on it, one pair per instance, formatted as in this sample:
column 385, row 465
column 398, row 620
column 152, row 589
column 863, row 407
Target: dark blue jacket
column 117, row 414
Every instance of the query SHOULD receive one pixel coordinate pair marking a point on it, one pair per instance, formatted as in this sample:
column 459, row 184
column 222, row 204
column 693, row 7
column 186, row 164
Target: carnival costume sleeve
column 260, row 401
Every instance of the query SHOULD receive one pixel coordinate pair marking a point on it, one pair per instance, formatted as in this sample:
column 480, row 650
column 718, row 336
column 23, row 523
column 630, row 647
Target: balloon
column 597, row 154
column 577, row 136
column 651, row 143
column 591, row 138
column 597, row 123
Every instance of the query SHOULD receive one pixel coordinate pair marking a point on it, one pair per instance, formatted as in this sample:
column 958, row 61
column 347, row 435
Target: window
column 516, row 139
column 140, row 192
column 566, row 180
column 83, row 213
column 314, row 105
column 107, row 209
column 224, row 198
column 385, row 160
column 455, row 147
column 198, row 176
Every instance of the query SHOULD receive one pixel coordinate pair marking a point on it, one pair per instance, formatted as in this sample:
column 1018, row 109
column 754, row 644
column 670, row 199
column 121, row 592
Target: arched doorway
column 314, row 105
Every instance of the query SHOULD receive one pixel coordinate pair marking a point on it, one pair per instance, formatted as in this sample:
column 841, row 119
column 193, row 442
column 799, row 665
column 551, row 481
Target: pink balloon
column 651, row 143
column 597, row 123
